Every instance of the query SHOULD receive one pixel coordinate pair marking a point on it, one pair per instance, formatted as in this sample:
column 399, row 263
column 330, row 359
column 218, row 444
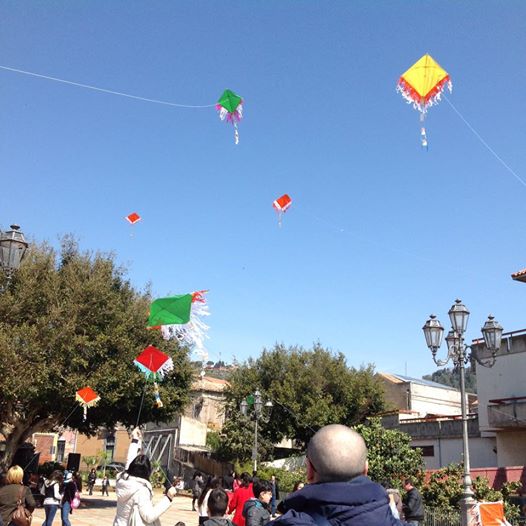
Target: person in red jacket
column 241, row 495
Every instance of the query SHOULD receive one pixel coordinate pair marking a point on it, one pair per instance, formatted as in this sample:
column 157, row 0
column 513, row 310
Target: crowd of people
column 60, row 491
column 337, row 491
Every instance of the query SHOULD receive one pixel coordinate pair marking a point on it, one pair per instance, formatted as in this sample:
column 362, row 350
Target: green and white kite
column 181, row 317
column 230, row 108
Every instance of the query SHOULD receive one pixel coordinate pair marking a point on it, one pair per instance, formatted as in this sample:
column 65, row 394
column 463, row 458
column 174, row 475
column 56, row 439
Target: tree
column 390, row 455
column 308, row 389
column 68, row 320
column 450, row 377
column 236, row 441
column 91, row 461
column 444, row 491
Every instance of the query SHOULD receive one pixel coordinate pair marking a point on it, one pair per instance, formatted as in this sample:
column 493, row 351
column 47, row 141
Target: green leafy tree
column 443, row 492
column 308, row 389
column 390, row 455
column 236, row 441
column 91, row 461
column 450, row 377
column 157, row 477
column 68, row 320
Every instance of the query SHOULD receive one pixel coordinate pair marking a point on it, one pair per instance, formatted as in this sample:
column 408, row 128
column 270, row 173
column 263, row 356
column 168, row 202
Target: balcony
column 507, row 413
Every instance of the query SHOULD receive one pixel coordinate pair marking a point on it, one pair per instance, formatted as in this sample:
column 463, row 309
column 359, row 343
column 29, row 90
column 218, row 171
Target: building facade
column 502, row 398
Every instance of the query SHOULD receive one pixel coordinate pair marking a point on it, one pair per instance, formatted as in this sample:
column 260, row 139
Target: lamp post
column 256, row 401
column 460, row 353
column 13, row 246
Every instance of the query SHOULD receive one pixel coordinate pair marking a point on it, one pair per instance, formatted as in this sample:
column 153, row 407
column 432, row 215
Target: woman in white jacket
column 134, row 491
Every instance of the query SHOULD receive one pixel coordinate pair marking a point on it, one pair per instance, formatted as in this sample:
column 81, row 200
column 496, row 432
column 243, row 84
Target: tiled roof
column 520, row 275
column 398, row 378
column 208, row 383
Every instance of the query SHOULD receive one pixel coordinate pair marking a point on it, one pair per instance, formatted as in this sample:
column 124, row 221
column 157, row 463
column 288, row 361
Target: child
column 256, row 510
column 105, row 485
column 217, row 505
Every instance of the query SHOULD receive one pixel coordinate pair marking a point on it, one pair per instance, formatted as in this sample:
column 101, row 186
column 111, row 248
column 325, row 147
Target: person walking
column 202, row 501
column 339, row 489
column 11, row 492
column 197, row 487
column 69, row 490
column 240, row 496
column 413, row 506
column 52, row 496
column 275, row 495
column 92, row 478
column 134, row 491
column 105, row 485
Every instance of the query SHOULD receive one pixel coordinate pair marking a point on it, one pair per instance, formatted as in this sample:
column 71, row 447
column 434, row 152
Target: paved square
column 97, row 510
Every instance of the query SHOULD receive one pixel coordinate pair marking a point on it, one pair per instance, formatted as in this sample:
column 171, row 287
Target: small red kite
column 281, row 205
column 154, row 364
column 87, row 398
column 133, row 218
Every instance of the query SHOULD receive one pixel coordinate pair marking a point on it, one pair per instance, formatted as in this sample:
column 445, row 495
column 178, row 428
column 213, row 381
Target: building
column 431, row 414
column 207, row 401
column 502, row 397
column 417, row 398
column 440, row 439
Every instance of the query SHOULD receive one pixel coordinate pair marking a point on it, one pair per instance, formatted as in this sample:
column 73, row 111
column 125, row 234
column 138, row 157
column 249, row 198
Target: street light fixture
column 457, row 352
column 257, row 401
column 13, row 246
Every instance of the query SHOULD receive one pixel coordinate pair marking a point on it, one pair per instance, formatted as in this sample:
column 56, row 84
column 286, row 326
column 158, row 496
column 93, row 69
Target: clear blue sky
column 381, row 233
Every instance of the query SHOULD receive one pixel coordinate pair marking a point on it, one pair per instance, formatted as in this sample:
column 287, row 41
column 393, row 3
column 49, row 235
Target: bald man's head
column 336, row 453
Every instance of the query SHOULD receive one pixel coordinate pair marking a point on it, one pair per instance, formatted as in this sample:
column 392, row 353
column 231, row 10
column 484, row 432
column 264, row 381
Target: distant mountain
column 451, row 377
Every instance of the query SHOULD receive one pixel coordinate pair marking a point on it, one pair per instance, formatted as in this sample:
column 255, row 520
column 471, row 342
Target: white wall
column 504, row 380
column 435, row 400
column 511, row 448
column 449, row 450
column 192, row 432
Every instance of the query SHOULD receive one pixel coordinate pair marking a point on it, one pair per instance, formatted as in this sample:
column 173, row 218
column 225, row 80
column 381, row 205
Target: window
column 109, row 446
column 61, row 449
column 427, row 451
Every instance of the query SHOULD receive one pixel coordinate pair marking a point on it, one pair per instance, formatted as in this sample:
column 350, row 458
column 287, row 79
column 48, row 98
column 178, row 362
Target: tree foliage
column 391, row 458
column 308, row 389
column 450, row 377
column 443, row 492
column 68, row 320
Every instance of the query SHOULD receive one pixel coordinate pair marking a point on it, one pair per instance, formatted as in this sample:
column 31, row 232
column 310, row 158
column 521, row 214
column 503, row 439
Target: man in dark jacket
column 413, row 505
column 339, row 492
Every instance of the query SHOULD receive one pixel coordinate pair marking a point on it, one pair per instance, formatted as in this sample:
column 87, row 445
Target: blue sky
column 381, row 233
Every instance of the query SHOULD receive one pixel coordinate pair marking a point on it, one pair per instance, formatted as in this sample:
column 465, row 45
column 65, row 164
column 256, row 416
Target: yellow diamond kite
column 422, row 86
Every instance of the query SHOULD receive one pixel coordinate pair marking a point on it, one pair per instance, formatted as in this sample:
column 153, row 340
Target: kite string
column 104, row 90
column 488, row 147
column 140, row 406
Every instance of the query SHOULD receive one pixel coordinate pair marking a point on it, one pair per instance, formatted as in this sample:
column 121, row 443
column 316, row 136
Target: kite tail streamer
column 236, row 133
column 157, row 395
column 423, row 135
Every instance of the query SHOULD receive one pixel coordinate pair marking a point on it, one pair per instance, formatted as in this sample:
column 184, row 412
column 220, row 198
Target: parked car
column 112, row 469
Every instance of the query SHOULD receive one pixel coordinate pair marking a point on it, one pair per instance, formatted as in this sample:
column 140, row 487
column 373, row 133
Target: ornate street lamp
column 457, row 352
column 257, row 401
column 13, row 246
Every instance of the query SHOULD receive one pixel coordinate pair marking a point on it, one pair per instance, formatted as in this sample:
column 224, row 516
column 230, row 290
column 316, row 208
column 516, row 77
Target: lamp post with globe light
column 460, row 353
column 13, row 247
column 256, row 401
